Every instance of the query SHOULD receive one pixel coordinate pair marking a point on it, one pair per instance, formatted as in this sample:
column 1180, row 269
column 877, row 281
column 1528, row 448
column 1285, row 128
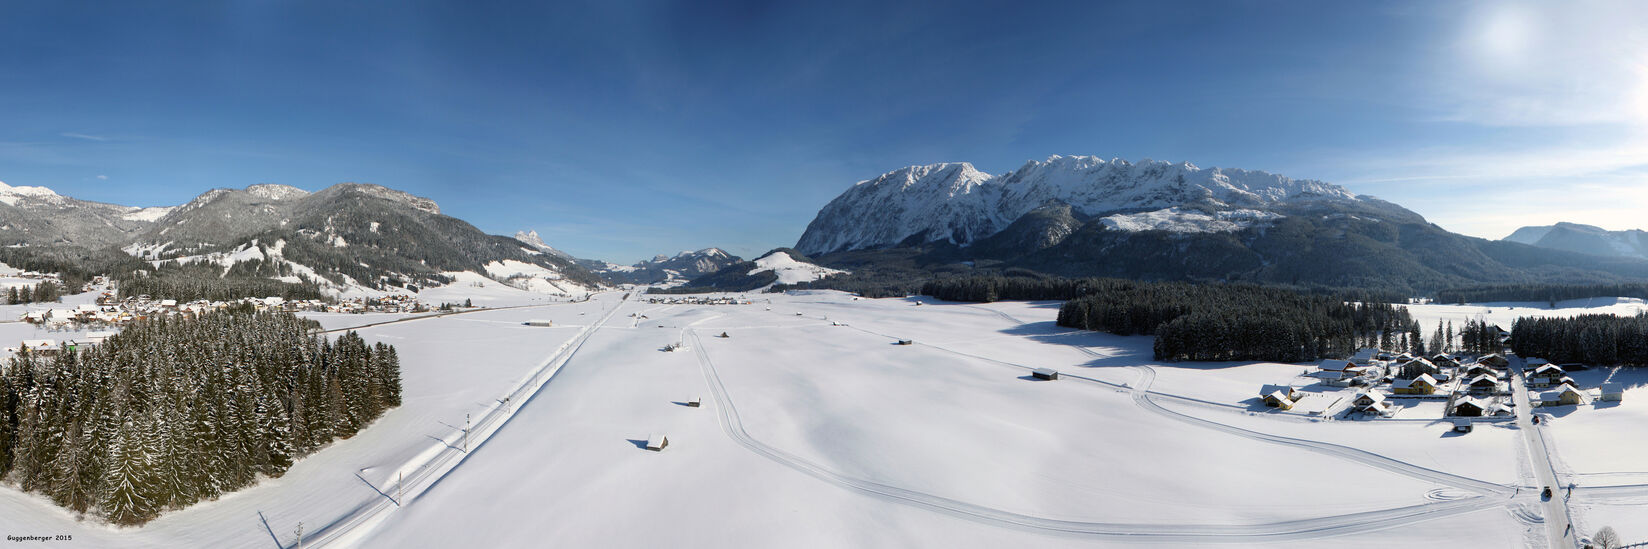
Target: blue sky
column 622, row 129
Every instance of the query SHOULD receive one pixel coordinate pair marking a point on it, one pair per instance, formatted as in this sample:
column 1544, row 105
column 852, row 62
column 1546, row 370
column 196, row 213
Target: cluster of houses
column 697, row 300
column 111, row 311
column 1472, row 388
column 1549, row 385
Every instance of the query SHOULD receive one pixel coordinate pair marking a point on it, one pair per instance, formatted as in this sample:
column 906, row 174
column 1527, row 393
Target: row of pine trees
column 1589, row 339
column 177, row 410
column 1223, row 322
column 44, row 292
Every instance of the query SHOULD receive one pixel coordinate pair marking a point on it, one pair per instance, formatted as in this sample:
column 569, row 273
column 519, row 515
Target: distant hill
column 1585, row 239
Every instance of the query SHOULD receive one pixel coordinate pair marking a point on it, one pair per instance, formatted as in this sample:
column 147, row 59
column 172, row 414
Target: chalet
column 1494, row 360
column 1288, row 390
column 1368, row 398
column 1470, row 407
column 1479, row 369
column 1277, row 399
column 1420, row 366
column 542, row 323
column 1048, row 374
column 1443, row 360
column 1566, row 395
column 1377, row 409
column 1461, row 426
column 1550, row 372
column 1364, row 357
column 1613, row 392
column 1331, row 377
column 41, row 346
column 657, row 442
column 96, row 338
column 1422, row 385
column 1483, row 383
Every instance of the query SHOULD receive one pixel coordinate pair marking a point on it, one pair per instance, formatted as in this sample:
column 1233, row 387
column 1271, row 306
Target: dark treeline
column 44, row 292
column 205, row 280
column 1221, row 322
column 1590, row 339
column 1548, row 293
column 1018, row 284
column 176, row 410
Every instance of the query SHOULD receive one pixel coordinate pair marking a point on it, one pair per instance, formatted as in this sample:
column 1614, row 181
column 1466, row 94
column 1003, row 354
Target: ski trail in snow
column 352, row 528
column 733, row 426
column 1143, row 397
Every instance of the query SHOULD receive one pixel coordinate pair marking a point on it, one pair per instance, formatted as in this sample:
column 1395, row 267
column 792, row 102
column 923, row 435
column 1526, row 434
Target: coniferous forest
column 1590, row 339
column 1220, row 322
column 1547, row 293
column 173, row 411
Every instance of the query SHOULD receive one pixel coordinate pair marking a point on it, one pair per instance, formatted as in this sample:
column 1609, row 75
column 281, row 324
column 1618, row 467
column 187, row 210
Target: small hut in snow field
column 539, row 323
column 1613, row 392
column 657, row 442
column 1048, row 374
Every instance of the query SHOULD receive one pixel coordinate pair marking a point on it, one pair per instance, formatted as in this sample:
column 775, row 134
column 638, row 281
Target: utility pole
column 466, row 433
column 300, row 534
column 400, row 490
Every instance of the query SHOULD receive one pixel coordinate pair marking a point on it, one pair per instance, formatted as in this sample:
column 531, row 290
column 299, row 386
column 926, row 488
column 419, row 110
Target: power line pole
column 400, row 490
column 466, row 433
column 300, row 534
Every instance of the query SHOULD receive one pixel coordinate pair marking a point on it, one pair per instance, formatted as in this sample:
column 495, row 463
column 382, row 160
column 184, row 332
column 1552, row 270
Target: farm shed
column 1461, row 426
column 540, row 323
column 1045, row 373
column 657, row 442
column 1613, row 392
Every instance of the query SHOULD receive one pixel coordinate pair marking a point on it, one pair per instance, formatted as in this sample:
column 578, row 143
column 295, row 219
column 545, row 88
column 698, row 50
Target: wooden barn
column 657, row 442
column 540, row 323
column 1048, row 374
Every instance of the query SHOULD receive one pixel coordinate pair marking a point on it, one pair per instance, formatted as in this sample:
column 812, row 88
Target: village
column 1375, row 384
column 94, row 322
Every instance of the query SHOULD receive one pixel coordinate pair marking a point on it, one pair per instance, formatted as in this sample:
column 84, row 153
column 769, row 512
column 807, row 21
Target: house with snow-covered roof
column 1422, row 385
column 1612, row 392
column 1278, row 399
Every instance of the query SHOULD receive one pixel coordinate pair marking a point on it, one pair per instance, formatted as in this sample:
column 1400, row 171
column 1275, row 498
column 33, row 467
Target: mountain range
column 1586, row 239
column 1086, row 216
column 347, row 237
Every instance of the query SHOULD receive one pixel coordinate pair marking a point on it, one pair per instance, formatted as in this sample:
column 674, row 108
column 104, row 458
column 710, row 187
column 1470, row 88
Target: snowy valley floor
column 817, row 430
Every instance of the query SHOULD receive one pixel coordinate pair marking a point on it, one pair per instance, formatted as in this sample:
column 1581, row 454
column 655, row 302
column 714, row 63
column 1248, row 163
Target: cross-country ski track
column 425, row 473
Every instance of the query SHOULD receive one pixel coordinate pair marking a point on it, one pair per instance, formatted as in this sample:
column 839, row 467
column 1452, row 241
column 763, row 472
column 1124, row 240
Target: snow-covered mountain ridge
column 956, row 203
column 1586, row 239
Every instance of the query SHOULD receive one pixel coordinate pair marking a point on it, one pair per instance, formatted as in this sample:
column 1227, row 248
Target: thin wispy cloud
column 102, row 177
column 84, row 136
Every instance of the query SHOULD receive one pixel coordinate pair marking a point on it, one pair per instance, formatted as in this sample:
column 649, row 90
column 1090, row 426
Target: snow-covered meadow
column 817, row 430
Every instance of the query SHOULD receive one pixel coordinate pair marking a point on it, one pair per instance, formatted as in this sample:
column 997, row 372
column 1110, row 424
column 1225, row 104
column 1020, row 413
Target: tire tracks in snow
column 732, row 424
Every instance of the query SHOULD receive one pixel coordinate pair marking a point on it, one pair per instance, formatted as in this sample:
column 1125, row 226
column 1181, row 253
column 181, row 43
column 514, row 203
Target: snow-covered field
column 817, row 430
